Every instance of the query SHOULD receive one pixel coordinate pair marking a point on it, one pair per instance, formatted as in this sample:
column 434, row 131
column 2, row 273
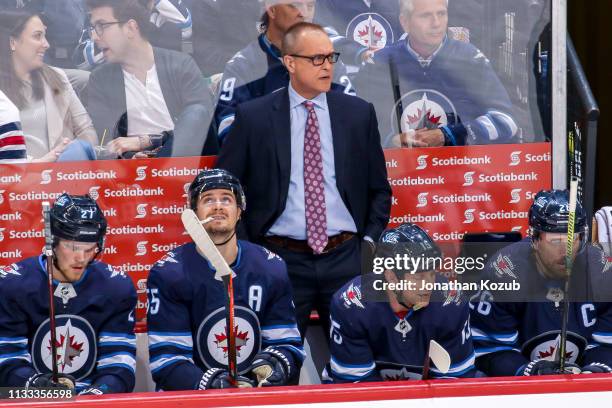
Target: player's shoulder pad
column 509, row 262
column 350, row 296
column 113, row 276
column 11, row 272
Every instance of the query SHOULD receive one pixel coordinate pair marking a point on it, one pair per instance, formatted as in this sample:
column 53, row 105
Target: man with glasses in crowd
column 258, row 69
column 517, row 332
column 94, row 310
column 187, row 318
column 323, row 189
column 144, row 99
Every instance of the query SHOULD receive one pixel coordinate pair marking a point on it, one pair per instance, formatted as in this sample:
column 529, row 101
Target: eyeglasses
column 100, row 27
column 319, row 59
column 78, row 247
column 223, row 202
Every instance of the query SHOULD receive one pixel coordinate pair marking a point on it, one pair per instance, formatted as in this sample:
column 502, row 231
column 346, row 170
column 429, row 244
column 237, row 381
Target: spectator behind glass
column 147, row 100
column 170, row 26
column 431, row 90
column 51, row 113
column 258, row 69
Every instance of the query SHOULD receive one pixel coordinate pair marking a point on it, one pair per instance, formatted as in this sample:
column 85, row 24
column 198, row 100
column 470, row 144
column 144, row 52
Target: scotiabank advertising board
column 449, row 191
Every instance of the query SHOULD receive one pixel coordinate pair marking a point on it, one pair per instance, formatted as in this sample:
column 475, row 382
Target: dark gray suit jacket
column 187, row 97
column 258, row 151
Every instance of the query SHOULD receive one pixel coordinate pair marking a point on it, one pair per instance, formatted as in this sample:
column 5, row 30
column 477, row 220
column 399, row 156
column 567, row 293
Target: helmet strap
column 227, row 240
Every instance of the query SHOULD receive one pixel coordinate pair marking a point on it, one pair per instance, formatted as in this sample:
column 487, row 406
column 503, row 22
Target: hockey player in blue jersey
column 375, row 339
column 431, row 90
column 186, row 316
column 94, row 310
column 258, row 70
column 517, row 333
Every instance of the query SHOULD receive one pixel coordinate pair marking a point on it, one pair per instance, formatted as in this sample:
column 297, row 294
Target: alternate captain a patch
column 213, row 342
column 76, row 346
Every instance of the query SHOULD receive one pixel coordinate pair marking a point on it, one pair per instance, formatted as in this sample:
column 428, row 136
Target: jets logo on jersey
column 76, row 346
column 370, row 30
column 213, row 342
column 403, row 327
column 504, row 266
column 545, row 345
column 352, row 296
column 424, row 109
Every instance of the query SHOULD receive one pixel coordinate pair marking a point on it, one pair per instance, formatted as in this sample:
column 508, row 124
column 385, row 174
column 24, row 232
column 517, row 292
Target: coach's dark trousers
column 315, row 278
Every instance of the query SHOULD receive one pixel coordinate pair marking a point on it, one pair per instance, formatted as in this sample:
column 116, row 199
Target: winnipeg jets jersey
column 255, row 71
column 369, row 342
column 456, row 89
column 186, row 316
column 12, row 142
column 94, row 326
column 526, row 323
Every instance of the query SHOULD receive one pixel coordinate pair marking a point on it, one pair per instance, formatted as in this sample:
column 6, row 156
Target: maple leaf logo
column 241, row 339
column 67, row 348
column 551, row 351
column 431, row 121
column 377, row 36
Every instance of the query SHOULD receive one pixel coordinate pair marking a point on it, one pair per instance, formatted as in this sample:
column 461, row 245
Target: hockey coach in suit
column 314, row 173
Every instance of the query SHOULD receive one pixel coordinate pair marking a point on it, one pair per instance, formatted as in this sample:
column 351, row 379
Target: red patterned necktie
column 314, row 193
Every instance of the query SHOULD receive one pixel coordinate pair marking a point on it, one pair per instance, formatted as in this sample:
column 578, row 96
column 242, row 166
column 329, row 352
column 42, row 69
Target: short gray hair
column 407, row 7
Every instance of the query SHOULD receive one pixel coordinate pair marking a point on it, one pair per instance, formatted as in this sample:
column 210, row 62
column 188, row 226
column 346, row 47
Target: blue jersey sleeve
column 599, row 349
column 456, row 340
column 116, row 362
column 15, row 359
column 495, row 334
column 170, row 339
column 351, row 358
column 278, row 326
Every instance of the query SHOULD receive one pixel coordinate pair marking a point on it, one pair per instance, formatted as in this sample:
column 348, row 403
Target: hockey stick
column 46, row 208
column 569, row 250
column 439, row 356
column 223, row 272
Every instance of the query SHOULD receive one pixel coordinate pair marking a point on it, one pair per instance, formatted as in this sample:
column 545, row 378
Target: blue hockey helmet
column 78, row 218
column 216, row 179
column 550, row 213
column 407, row 239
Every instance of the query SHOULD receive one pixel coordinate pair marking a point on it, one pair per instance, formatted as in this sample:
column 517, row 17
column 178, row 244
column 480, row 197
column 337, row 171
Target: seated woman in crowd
column 51, row 113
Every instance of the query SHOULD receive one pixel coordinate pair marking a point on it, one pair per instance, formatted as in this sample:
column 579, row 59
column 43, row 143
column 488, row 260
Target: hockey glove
column 218, row 378
column 271, row 368
column 546, row 367
column 596, row 368
column 64, row 381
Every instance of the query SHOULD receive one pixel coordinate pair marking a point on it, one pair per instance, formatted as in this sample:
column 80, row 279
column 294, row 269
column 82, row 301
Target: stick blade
column 439, row 356
column 200, row 237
